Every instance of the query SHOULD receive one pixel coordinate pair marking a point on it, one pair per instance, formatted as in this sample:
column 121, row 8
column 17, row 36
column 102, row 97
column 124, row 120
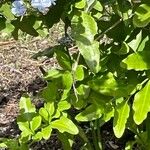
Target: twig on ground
column 7, row 43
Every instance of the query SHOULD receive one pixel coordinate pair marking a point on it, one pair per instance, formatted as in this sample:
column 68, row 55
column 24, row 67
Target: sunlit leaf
column 81, row 4
column 24, row 127
column 35, row 123
column 50, row 108
column 63, row 105
column 84, row 29
column 38, row 136
column 46, row 132
column 120, row 117
column 138, row 61
column 52, row 74
column 108, row 85
column 141, row 104
column 65, row 125
column 5, row 9
column 25, row 104
column 79, row 73
column 92, row 112
column 142, row 15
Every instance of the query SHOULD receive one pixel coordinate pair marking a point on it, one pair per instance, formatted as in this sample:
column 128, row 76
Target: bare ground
column 20, row 73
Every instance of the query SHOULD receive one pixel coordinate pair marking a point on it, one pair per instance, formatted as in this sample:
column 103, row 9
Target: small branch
column 72, row 48
column 110, row 28
column 73, row 74
column 7, row 43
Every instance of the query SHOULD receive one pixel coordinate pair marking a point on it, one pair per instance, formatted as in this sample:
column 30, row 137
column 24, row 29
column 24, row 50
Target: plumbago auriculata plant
column 107, row 79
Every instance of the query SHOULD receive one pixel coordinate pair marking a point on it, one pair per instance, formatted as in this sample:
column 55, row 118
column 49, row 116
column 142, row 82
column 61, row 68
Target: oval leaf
column 120, row 118
column 141, row 104
column 84, row 29
column 35, row 123
column 137, row 61
column 92, row 112
column 142, row 16
column 25, row 104
column 46, row 132
column 65, row 125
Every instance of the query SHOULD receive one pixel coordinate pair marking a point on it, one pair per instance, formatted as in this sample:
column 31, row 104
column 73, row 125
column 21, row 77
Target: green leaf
column 3, row 145
column 129, row 145
column 52, row 74
column 35, row 123
column 50, row 108
column 43, row 112
column 91, row 55
column 63, row 105
column 46, row 132
column 92, row 112
column 108, row 85
column 141, row 104
column 49, row 52
column 79, row 73
column 135, row 42
column 138, row 61
column 67, row 140
column 67, row 80
column 108, row 112
column 9, row 27
column 122, row 111
column 47, row 111
column 26, row 25
column 24, row 127
column 2, row 22
column 55, row 13
column 25, row 104
column 142, row 15
column 6, row 11
column 124, row 49
column 104, row 85
column 104, row 103
column 90, row 4
column 99, row 99
column 84, row 29
column 49, row 93
column 98, row 6
column 83, row 91
column 81, row 4
column 12, row 144
column 38, row 136
column 65, row 125
column 63, row 58
column 42, row 30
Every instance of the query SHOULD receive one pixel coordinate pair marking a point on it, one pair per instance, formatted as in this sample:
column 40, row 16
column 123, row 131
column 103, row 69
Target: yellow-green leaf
column 141, row 104
column 142, row 16
column 46, row 132
column 138, row 61
column 92, row 112
column 120, row 118
column 35, row 123
column 65, row 125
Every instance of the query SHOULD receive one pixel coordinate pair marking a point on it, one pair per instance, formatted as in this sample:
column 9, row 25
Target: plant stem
column 148, row 129
column 99, row 135
column 84, row 137
column 138, row 135
column 110, row 28
column 95, row 139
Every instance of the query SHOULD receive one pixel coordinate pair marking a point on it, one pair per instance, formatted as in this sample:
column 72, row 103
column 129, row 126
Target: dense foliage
column 106, row 79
